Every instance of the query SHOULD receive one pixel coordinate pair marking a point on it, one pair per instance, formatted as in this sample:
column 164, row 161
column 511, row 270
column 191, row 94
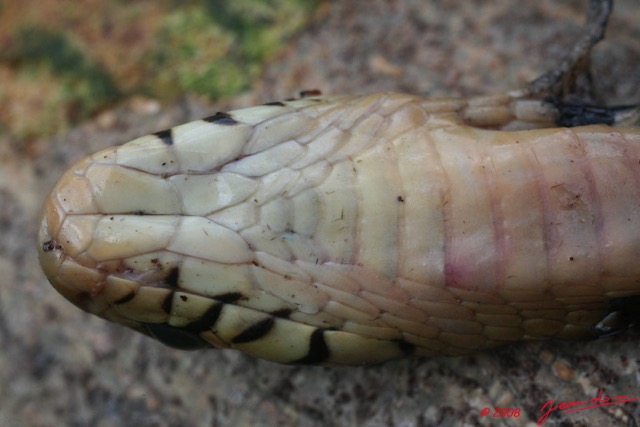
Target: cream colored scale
column 353, row 230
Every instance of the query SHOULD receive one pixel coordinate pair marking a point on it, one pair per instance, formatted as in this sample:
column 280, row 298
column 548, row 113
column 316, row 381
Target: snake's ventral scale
column 358, row 229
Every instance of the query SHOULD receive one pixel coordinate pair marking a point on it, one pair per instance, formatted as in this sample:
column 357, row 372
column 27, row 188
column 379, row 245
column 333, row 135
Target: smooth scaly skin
column 354, row 230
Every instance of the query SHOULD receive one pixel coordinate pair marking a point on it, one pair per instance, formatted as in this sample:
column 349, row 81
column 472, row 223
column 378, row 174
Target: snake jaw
column 67, row 232
column 60, row 245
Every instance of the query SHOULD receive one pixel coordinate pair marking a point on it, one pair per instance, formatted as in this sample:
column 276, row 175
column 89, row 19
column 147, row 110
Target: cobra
column 359, row 229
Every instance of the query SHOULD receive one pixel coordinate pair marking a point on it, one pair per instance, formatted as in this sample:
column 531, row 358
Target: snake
column 356, row 229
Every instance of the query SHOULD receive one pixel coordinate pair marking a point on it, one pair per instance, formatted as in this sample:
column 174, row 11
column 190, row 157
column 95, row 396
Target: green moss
column 221, row 52
column 37, row 51
column 44, row 108
column 53, row 69
column 187, row 52
column 261, row 25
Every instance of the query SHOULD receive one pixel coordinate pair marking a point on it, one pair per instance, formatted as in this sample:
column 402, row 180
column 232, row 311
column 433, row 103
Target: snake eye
column 176, row 337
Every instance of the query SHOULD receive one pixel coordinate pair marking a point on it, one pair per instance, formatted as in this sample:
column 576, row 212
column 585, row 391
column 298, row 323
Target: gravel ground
column 61, row 367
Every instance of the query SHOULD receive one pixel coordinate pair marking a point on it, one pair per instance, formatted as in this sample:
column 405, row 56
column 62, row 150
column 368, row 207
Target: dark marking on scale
column 166, row 136
column 229, row 297
column 167, row 303
column 623, row 313
column 318, row 349
column 255, row 331
column 176, row 337
column 221, row 118
column 407, row 348
column 172, row 278
column 282, row 313
column 128, row 297
column 207, row 320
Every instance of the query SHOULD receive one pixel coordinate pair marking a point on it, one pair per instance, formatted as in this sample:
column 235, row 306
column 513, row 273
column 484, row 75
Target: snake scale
column 356, row 229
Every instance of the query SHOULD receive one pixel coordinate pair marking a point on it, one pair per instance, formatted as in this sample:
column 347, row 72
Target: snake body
column 355, row 229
